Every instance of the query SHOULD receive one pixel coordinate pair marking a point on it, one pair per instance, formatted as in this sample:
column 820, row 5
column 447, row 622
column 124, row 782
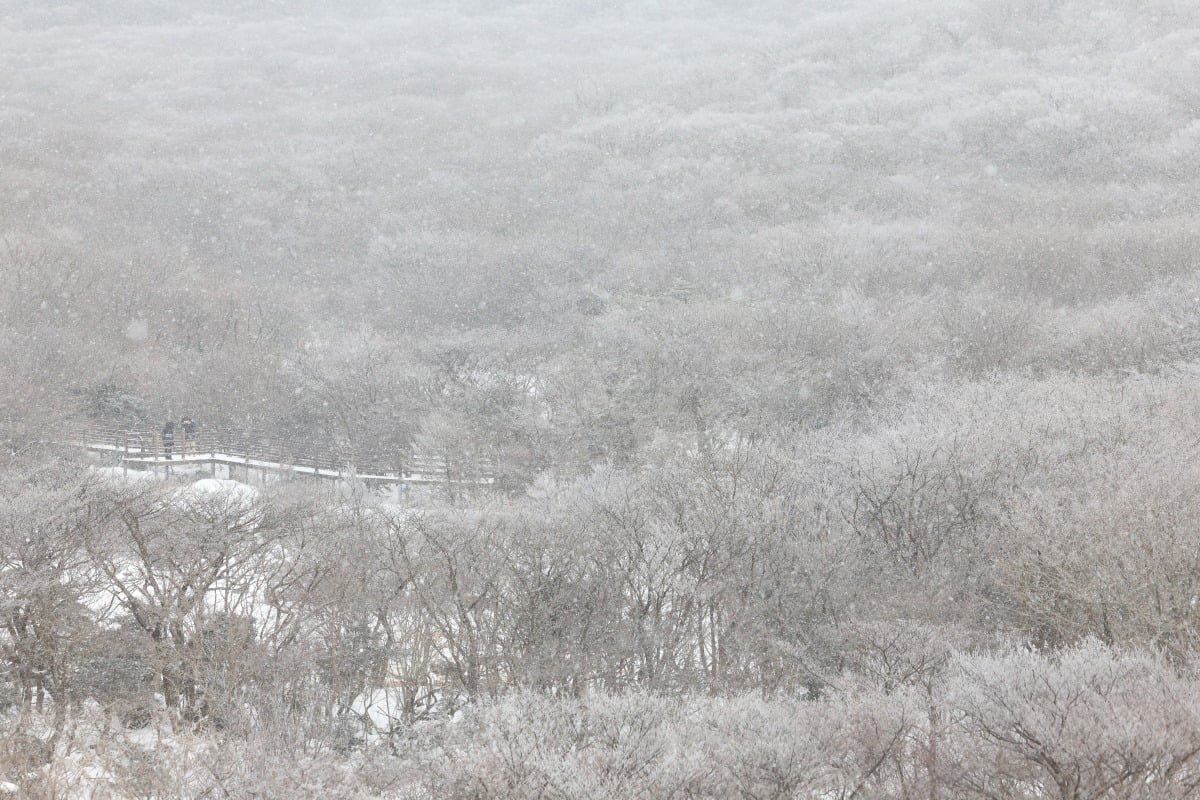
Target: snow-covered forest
column 835, row 365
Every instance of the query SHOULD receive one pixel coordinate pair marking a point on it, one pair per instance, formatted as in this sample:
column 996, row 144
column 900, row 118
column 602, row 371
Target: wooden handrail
column 279, row 452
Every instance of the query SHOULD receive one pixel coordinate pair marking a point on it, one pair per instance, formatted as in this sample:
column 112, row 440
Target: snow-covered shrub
column 1086, row 722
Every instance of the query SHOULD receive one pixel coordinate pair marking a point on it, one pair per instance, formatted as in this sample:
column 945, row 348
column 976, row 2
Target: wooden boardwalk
column 234, row 451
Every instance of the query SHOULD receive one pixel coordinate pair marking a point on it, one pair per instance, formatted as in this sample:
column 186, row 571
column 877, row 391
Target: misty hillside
column 834, row 367
column 1004, row 185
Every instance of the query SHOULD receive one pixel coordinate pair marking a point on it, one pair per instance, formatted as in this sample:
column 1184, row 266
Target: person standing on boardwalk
column 189, row 435
column 168, row 438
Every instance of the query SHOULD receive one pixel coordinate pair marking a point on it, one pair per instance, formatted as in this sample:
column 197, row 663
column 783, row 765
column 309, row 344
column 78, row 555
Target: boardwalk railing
column 140, row 448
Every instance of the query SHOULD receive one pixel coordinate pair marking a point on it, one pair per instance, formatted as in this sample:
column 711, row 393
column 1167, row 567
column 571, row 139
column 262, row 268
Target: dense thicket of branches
column 839, row 359
column 978, row 598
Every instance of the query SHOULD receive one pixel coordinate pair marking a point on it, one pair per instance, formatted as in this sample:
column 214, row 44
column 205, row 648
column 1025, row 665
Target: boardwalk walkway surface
column 147, row 450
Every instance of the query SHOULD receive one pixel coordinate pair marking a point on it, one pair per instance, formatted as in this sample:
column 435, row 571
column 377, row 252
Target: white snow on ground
column 87, row 771
column 229, row 499
column 125, row 475
column 237, row 489
column 203, row 489
column 379, row 709
column 216, row 498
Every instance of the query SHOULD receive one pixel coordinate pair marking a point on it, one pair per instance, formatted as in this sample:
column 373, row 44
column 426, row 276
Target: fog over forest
column 661, row 399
